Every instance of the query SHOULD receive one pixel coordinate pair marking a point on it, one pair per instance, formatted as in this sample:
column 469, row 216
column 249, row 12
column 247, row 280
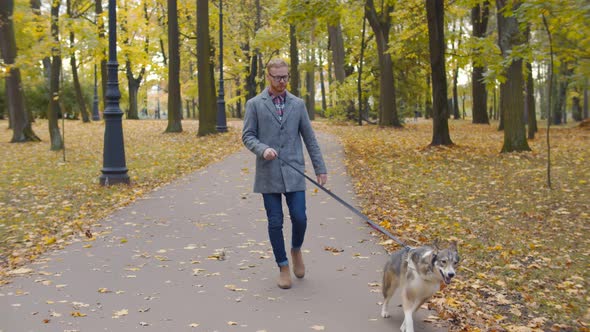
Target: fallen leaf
column 120, row 313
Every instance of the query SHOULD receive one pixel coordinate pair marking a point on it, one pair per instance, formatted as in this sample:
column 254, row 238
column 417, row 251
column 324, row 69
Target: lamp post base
column 114, row 177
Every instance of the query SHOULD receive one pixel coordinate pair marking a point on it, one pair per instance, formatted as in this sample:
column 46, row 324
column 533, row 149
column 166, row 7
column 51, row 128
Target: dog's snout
column 451, row 274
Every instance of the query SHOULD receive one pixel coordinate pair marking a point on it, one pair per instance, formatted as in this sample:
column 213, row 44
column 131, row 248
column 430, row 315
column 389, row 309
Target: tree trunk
column 3, row 98
column 440, row 113
column 530, row 108
column 20, row 119
column 294, row 55
column 54, row 104
column 337, row 48
column 322, row 85
column 40, row 20
column 174, row 100
column 586, row 100
column 381, row 26
column 576, row 109
column 77, row 86
column 251, row 87
column 359, row 86
column 239, row 102
column 78, row 89
column 479, row 21
column 310, row 77
column 456, row 114
column 511, row 91
column 428, row 98
column 133, row 85
column 511, row 106
column 103, row 60
column 207, row 105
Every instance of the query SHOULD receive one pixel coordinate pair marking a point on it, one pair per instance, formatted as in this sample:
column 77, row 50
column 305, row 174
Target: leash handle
column 350, row 207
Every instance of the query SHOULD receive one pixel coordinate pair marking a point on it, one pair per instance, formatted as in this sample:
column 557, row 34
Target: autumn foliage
column 525, row 249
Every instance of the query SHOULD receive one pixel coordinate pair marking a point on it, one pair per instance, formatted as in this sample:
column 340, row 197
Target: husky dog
column 418, row 273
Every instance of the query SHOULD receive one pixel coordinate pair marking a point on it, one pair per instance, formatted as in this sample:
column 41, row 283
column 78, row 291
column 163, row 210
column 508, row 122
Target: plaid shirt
column 279, row 102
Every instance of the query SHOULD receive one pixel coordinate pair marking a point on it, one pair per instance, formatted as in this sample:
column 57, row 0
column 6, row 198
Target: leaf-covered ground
column 44, row 200
column 525, row 249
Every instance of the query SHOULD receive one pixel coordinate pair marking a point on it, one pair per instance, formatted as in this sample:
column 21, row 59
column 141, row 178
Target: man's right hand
column 269, row 154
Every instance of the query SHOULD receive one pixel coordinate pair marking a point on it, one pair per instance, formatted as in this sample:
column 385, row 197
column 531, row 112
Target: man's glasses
column 279, row 78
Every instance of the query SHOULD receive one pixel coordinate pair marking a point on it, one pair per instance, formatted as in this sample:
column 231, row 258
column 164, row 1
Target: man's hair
column 276, row 63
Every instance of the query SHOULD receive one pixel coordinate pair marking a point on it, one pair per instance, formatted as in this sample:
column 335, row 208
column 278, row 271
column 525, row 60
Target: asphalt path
column 194, row 255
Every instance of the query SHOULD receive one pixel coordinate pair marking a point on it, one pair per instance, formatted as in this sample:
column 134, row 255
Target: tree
column 72, row 13
column 103, row 59
column 511, row 89
column 479, row 20
column 529, row 102
column 530, row 108
column 337, row 48
column 132, row 55
column 294, row 56
column 174, row 101
column 310, row 77
column 381, row 25
column 19, row 118
column 54, row 107
column 254, row 57
column 207, row 106
column 440, row 112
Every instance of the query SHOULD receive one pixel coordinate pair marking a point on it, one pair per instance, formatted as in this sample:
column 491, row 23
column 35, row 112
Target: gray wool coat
column 263, row 129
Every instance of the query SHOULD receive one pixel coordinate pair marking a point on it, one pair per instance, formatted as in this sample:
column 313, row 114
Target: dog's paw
column 385, row 314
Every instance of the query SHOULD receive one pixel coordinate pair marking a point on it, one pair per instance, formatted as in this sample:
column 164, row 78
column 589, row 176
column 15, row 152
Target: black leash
column 350, row 207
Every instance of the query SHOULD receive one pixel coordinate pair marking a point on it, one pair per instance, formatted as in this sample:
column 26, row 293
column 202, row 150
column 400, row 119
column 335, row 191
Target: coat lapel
column 289, row 102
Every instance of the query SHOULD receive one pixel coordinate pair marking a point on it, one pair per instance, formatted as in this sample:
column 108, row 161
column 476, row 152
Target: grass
column 44, row 200
column 525, row 248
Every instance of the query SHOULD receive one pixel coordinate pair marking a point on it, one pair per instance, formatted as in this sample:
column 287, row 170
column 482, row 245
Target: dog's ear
column 436, row 244
column 453, row 245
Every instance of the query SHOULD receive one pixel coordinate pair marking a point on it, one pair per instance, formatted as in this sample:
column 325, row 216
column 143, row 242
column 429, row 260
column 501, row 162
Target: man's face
column 278, row 79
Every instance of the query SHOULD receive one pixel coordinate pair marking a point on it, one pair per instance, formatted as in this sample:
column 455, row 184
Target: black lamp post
column 114, row 169
column 221, row 123
column 95, row 115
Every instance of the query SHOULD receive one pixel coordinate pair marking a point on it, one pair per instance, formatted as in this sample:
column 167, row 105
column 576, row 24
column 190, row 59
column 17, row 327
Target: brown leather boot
column 284, row 277
column 298, row 266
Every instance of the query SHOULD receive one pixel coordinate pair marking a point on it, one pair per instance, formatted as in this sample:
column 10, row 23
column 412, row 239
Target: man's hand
column 322, row 179
column 269, row 154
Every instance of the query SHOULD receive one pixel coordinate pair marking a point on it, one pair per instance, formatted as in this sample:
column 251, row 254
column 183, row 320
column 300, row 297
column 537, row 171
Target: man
column 274, row 125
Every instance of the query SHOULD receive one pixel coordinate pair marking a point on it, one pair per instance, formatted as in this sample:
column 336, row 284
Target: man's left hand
column 322, row 179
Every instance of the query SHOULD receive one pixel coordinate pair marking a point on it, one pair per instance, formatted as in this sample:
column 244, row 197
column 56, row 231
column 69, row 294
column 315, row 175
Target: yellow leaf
column 77, row 314
column 49, row 240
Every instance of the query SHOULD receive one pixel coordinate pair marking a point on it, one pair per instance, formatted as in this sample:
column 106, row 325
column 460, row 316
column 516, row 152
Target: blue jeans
column 274, row 213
